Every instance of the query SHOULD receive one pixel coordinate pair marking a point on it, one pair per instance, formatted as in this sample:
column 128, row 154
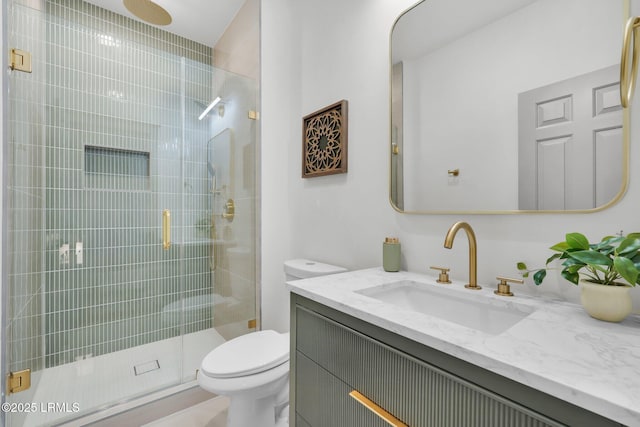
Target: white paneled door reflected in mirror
column 508, row 106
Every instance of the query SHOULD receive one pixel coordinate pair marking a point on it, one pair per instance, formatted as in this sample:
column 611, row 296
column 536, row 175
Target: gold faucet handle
column 444, row 275
column 503, row 286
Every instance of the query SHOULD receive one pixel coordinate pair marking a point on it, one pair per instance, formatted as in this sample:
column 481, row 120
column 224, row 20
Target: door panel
column 551, row 185
column 585, row 110
column 609, row 154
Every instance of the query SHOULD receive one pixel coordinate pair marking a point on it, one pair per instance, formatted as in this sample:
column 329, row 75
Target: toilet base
column 255, row 400
column 245, row 412
column 283, row 417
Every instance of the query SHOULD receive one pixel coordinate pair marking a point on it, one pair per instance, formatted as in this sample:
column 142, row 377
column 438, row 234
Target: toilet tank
column 304, row 268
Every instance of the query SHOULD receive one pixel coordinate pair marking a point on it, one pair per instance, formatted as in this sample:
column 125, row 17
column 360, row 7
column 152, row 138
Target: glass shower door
column 97, row 305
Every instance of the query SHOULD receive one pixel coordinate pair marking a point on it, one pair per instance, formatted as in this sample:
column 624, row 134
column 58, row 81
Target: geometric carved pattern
column 324, row 141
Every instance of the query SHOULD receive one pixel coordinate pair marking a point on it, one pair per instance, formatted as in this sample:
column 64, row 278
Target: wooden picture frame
column 324, row 141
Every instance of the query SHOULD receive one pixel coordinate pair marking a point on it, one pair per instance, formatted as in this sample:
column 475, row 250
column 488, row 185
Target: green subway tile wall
column 113, row 84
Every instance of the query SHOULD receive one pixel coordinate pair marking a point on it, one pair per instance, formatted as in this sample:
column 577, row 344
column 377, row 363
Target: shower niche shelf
column 116, row 169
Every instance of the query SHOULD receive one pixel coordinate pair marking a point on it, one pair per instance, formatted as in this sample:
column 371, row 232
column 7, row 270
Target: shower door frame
column 5, row 150
column 4, row 291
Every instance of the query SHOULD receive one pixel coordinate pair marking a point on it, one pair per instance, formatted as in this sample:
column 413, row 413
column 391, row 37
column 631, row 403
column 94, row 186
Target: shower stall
column 129, row 234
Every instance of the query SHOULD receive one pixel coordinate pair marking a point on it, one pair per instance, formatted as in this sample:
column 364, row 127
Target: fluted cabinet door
column 300, row 422
column 332, row 360
column 323, row 400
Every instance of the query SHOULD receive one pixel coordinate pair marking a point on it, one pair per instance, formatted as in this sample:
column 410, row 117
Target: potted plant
column 605, row 272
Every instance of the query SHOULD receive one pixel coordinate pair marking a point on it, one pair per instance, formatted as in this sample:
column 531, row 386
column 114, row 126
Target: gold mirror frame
column 627, row 84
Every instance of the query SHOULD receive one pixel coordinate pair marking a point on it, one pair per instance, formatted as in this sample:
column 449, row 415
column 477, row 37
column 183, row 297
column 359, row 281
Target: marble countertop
column 558, row 348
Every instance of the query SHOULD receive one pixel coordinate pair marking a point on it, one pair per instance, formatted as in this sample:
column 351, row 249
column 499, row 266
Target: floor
column 210, row 413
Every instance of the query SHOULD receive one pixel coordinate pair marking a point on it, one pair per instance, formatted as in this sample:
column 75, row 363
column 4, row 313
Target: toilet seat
column 248, row 354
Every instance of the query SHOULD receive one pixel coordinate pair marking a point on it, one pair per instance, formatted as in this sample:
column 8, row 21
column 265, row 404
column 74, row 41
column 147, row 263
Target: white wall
column 279, row 114
column 317, row 52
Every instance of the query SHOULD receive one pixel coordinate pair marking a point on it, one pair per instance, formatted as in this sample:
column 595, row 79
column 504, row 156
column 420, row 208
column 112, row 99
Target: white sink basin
column 468, row 308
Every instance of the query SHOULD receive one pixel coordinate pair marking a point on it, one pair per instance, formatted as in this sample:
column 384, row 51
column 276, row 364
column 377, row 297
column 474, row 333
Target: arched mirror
column 506, row 106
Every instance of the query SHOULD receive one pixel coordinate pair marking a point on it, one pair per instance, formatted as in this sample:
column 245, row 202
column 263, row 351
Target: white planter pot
column 609, row 303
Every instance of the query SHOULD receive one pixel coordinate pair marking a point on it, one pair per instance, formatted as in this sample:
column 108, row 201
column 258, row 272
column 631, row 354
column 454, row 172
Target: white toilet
column 253, row 369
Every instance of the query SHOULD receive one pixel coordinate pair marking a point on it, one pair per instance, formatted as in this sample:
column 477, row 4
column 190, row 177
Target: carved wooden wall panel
column 324, row 141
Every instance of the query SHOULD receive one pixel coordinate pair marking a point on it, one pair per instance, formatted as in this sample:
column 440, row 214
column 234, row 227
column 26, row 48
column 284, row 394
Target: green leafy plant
column 605, row 263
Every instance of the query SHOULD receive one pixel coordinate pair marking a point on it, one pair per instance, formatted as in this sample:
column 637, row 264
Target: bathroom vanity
column 361, row 352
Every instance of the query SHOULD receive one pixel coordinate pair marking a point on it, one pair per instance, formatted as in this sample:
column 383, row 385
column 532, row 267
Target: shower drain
column 146, row 367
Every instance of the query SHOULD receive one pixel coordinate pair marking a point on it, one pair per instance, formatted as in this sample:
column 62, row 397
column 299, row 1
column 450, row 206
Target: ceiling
column 203, row 21
column 435, row 23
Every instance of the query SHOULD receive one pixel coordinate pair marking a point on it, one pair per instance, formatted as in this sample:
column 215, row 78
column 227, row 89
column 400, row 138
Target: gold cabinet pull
column 629, row 46
column 390, row 419
column 166, row 229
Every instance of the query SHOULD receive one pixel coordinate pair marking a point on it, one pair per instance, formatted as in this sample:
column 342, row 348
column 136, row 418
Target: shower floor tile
column 103, row 380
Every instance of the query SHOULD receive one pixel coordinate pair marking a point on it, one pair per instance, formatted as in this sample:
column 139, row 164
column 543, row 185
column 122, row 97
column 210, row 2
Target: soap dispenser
column 391, row 254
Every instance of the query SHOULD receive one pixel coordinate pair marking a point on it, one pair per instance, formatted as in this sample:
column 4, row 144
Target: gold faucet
column 473, row 253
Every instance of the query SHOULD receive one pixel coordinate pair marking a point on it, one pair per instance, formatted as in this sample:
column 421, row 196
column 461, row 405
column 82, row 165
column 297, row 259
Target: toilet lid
column 247, row 354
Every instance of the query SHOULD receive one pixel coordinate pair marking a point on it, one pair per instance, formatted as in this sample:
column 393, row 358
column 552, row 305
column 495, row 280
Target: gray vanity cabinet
column 324, row 399
column 334, row 354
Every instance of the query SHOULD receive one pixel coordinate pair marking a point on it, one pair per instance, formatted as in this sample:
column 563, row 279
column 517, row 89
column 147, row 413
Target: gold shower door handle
column 629, row 46
column 229, row 210
column 373, row 407
column 166, row 229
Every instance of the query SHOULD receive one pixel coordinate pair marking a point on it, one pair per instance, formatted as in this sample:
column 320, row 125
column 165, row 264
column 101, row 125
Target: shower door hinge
column 252, row 324
column 254, row 115
column 20, row 60
column 18, row 381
